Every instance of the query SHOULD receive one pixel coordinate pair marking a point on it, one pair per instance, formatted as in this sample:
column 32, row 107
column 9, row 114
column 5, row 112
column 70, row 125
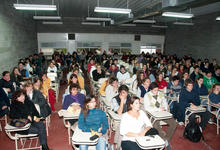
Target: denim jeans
column 100, row 146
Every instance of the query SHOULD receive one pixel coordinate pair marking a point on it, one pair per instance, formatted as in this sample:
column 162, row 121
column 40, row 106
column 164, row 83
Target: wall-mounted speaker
column 137, row 37
column 71, row 36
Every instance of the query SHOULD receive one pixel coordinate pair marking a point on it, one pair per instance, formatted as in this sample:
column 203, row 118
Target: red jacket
column 161, row 84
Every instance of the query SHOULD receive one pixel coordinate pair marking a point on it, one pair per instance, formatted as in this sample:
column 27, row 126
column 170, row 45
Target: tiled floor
column 58, row 139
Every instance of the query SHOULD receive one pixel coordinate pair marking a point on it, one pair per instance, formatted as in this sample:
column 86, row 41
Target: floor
column 58, row 139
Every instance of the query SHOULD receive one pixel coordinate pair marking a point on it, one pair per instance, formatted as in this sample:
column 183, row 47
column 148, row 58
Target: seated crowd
column 133, row 89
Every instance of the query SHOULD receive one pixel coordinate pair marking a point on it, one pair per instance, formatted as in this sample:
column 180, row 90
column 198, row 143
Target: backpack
column 193, row 132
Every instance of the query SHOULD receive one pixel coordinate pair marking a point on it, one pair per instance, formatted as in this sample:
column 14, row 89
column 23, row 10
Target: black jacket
column 96, row 76
column 39, row 99
column 19, row 110
column 7, row 84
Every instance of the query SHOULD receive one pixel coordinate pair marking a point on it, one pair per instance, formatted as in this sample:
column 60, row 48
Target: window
column 150, row 48
column 120, row 47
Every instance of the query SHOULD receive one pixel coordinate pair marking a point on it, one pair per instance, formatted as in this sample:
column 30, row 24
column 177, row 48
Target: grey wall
column 201, row 40
column 18, row 37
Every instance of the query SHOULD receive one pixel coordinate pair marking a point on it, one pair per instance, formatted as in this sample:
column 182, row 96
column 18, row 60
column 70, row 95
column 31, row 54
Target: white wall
column 104, row 38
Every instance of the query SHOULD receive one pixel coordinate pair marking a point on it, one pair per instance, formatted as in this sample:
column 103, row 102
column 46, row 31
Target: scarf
column 75, row 98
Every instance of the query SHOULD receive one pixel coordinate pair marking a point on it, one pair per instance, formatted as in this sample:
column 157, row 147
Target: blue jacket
column 94, row 120
column 187, row 97
column 68, row 100
column 214, row 98
column 201, row 91
column 143, row 90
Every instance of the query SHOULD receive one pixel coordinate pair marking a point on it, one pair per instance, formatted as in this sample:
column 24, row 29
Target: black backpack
column 192, row 132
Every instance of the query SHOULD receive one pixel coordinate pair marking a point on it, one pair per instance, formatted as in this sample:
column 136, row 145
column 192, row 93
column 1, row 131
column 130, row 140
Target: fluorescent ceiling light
column 35, row 7
column 47, row 17
column 52, row 22
column 218, row 18
column 159, row 26
column 184, row 23
column 128, row 25
column 177, row 15
column 112, row 10
column 91, row 23
column 144, row 21
column 97, row 19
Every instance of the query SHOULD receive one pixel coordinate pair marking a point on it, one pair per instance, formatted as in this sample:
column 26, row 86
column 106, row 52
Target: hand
column 100, row 134
column 193, row 106
column 4, row 107
column 9, row 90
column 171, row 91
column 29, row 118
column 162, row 109
column 142, row 133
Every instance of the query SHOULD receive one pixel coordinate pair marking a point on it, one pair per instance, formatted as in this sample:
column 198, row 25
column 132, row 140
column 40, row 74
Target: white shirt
column 109, row 94
column 150, row 101
column 54, row 69
column 131, row 124
column 122, row 77
column 91, row 70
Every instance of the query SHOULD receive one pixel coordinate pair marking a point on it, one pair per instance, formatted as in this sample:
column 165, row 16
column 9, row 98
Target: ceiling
column 78, row 10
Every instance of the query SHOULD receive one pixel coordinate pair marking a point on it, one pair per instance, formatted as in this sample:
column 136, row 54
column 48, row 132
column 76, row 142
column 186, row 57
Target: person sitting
column 216, row 74
column 113, row 69
column 138, row 81
column 195, row 74
column 91, row 63
column 79, row 77
column 74, row 97
column 4, row 103
column 23, row 72
column 111, row 90
column 122, row 75
column 6, row 83
column 93, row 118
column 134, row 123
column 173, row 90
column 45, row 84
column 120, row 102
column 23, row 108
column 98, row 73
column 162, row 84
column 103, row 87
column 209, row 80
column 185, row 76
column 52, row 68
column 215, row 95
column 156, row 101
column 37, row 98
column 189, row 97
column 144, row 88
column 201, row 89
column 16, row 77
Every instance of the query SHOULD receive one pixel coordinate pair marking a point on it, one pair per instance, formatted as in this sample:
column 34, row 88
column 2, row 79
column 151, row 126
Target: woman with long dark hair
column 134, row 123
column 93, row 118
column 23, row 108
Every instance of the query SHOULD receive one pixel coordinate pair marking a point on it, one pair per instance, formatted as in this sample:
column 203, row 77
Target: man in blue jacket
column 189, row 97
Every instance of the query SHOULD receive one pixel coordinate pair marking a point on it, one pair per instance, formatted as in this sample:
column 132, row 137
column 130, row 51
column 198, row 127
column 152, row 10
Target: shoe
column 167, row 144
column 181, row 123
column 45, row 147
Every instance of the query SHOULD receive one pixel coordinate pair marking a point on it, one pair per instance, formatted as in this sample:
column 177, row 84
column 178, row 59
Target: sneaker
column 181, row 123
column 167, row 144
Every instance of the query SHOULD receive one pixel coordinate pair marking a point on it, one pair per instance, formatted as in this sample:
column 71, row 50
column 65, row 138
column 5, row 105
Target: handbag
column 19, row 122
